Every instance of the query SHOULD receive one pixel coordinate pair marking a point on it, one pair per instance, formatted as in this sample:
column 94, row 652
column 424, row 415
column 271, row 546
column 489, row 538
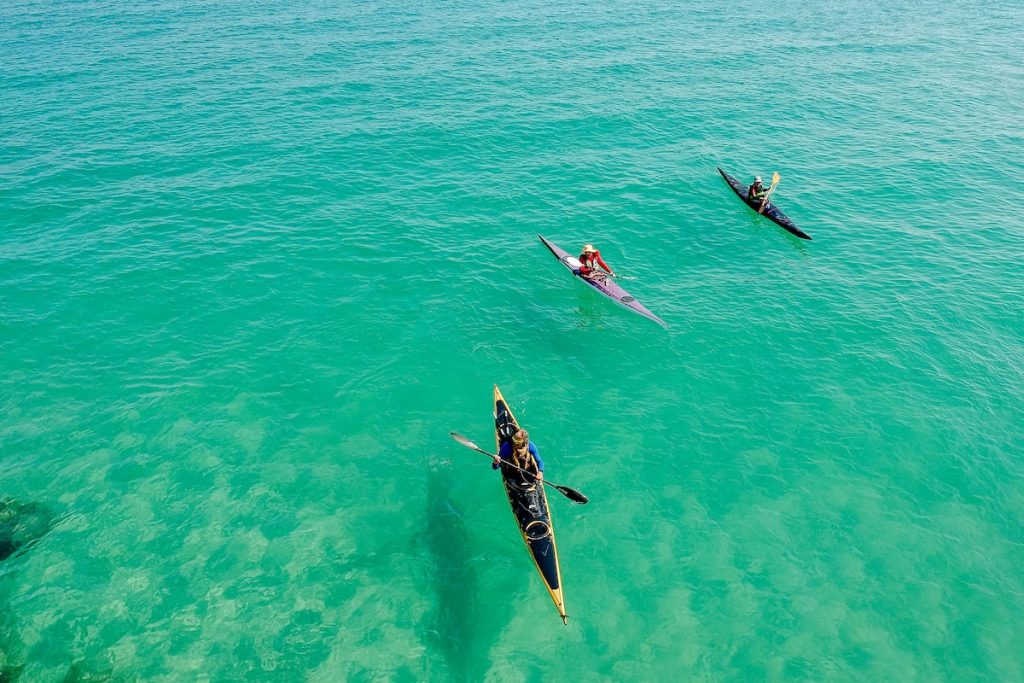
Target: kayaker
column 757, row 190
column 521, row 452
column 590, row 260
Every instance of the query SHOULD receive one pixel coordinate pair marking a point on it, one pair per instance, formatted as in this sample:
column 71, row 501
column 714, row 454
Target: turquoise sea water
column 257, row 259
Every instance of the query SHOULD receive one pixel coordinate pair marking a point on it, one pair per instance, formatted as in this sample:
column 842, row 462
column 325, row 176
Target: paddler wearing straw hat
column 590, row 259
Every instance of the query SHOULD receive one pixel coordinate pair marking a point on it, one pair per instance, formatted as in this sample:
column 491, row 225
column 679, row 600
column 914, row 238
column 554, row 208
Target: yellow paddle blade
column 776, row 178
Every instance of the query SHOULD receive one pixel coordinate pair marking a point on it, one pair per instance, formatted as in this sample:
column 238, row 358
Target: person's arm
column 600, row 262
column 503, row 453
column 536, row 456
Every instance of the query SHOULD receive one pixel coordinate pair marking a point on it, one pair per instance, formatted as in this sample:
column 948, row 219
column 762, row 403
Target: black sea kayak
column 530, row 508
column 602, row 283
column 770, row 212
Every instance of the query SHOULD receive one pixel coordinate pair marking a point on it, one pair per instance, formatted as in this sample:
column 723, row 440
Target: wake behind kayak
column 771, row 212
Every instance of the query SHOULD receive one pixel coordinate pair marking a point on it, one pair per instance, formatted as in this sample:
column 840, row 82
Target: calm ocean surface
column 258, row 258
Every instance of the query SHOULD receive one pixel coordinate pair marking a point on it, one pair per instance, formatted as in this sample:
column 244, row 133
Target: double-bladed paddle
column 572, row 494
column 601, row 274
column 775, row 181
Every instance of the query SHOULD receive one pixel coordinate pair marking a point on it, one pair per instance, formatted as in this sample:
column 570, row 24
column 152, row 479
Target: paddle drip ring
column 537, row 530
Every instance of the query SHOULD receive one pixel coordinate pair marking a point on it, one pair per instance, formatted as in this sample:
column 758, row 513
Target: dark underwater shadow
column 11, row 647
column 22, row 525
column 453, row 626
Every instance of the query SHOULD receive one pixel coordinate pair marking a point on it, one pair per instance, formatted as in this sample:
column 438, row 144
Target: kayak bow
column 530, row 508
column 602, row 283
column 771, row 211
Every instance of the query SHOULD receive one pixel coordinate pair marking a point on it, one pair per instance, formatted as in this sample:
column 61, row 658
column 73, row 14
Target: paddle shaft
column 506, row 462
column 775, row 181
column 571, row 494
column 597, row 272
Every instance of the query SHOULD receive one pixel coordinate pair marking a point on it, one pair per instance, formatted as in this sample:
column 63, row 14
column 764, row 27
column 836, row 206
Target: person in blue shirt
column 523, row 453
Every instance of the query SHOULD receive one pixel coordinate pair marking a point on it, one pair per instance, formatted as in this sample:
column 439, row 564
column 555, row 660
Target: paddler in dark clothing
column 590, row 259
column 523, row 453
column 757, row 190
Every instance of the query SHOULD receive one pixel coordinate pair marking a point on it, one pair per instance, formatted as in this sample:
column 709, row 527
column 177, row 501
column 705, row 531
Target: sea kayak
column 530, row 508
column 602, row 283
column 771, row 212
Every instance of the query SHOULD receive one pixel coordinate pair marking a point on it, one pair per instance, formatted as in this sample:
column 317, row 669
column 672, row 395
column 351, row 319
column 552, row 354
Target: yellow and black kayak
column 530, row 508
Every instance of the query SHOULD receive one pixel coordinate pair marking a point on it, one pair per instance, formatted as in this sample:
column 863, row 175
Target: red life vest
column 591, row 260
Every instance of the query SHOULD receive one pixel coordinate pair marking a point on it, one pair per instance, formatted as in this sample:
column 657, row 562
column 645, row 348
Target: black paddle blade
column 573, row 495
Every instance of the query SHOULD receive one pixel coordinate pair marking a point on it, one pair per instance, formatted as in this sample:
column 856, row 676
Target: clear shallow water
column 257, row 259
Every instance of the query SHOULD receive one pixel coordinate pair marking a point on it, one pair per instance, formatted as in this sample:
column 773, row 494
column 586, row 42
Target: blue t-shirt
column 505, row 453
